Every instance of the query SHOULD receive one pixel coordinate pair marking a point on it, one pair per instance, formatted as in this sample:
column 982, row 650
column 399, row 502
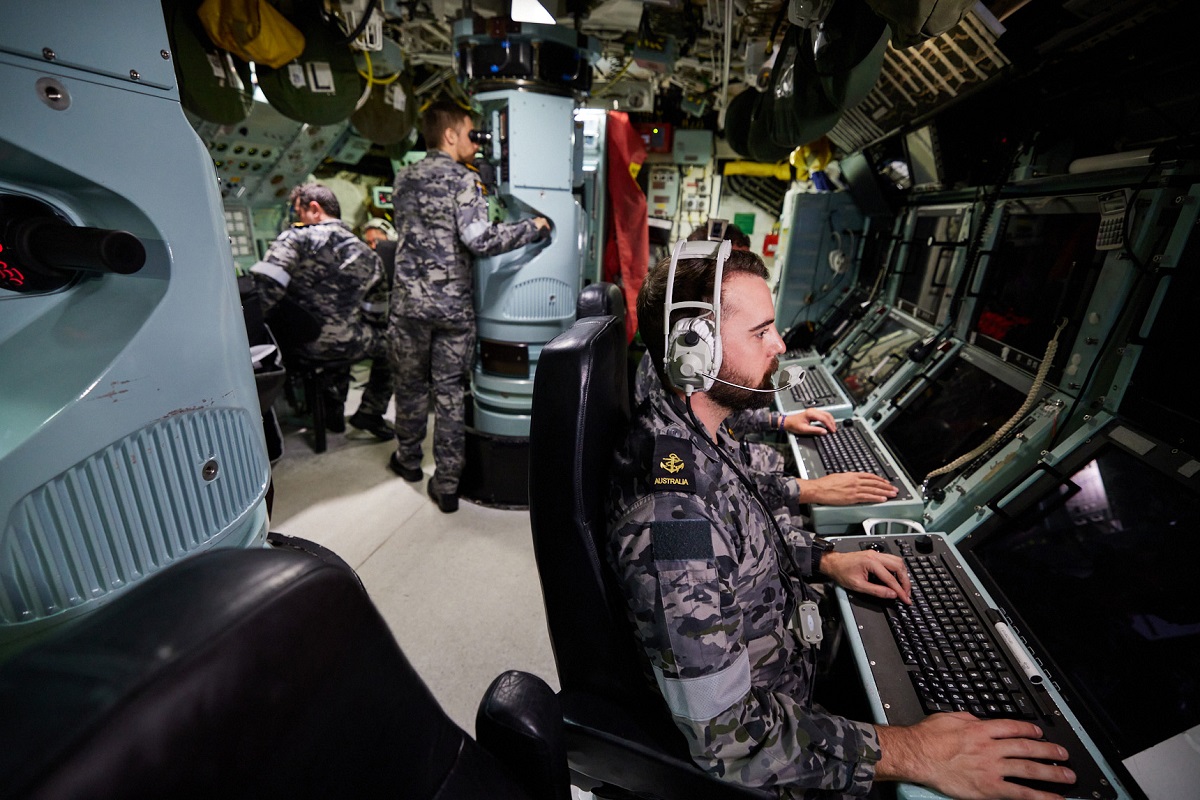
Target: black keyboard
column 845, row 450
column 813, row 390
column 959, row 665
column 943, row 654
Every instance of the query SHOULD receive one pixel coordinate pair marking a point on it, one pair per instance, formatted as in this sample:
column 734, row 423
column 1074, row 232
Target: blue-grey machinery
column 130, row 431
column 527, row 80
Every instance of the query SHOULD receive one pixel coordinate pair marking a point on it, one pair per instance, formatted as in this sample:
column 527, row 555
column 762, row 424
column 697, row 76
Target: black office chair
column 621, row 742
column 258, row 673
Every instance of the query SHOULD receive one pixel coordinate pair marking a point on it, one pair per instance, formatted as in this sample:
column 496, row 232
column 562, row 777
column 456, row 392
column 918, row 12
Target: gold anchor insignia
column 672, row 463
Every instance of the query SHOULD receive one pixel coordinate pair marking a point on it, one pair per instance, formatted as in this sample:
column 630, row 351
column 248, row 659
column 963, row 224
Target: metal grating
column 540, row 300
column 128, row 511
column 915, row 81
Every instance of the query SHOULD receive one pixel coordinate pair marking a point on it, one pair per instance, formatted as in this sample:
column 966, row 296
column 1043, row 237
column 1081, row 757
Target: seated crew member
column 377, row 393
column 316, row 275
column 711, row 579
column 835, row 489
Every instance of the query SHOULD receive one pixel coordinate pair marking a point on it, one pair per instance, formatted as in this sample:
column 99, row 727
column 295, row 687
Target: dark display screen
column 1040, row 274
column 1097, row 572
column 876, row 358
column 952, row 415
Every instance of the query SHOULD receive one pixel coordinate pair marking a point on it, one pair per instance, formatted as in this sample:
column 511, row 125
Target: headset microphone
column 787, row 379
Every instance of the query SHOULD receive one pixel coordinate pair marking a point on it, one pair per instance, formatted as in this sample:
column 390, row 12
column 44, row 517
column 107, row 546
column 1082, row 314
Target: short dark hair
column 438, row 117
column 319, row 193
column 733, row 233
column 693, row 282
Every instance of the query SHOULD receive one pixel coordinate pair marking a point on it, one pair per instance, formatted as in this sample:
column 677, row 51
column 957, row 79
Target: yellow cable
column 370, row 75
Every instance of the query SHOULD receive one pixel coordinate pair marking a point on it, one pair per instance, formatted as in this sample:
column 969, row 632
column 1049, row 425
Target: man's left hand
column 856, row 570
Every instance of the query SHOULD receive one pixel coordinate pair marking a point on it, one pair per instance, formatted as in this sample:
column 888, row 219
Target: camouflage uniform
column 768, row 464
column 442, row 221
column 698, row 560
column 326, row 271
column 378, row 389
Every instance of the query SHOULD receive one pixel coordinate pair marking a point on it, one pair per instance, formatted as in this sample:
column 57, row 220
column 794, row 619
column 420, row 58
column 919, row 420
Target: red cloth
column 627, row 240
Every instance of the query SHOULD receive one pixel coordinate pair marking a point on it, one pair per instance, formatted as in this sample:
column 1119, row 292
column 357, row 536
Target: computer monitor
column 924, row 158
column 1091, row 562
column 954, row 412
column 872, row 261
column 874, row 359
column 1041, row 271
column 928, row 268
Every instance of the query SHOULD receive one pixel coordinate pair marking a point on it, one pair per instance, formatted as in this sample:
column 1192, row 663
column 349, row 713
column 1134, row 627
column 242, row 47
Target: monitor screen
column 1041, row 271
column 876, row 358
column 925, row 275
column 924, row 161
column 953, row 414
column 842, row 318
column 1094, row 570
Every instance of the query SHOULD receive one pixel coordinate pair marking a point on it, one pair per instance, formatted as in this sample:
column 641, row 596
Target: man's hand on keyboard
column 800, row 423
column 869, row 572
column 846, row 489
column 968, row 758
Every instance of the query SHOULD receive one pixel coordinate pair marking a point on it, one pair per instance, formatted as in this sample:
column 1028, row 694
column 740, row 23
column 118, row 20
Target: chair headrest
column 600, row 299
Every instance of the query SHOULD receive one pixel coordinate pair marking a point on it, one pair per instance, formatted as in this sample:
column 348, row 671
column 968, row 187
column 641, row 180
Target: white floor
column 460, row 591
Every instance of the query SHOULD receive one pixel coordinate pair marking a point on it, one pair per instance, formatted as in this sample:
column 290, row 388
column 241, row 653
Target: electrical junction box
column 692, row 147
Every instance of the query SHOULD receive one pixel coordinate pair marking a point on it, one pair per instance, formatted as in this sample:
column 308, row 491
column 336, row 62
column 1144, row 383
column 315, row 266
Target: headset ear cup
column 692, row 354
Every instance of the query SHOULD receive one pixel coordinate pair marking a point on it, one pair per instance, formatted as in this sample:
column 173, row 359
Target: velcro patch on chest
column 674, row 466
column 681, row 540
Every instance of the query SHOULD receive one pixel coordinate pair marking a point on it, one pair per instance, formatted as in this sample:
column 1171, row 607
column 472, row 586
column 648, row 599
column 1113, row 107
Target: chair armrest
column 519, row 721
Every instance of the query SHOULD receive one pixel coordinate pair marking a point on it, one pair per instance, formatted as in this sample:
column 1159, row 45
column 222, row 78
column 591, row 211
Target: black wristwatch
column 820, row 546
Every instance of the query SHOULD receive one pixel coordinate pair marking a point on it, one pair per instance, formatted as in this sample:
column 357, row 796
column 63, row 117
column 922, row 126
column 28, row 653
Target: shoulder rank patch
column 681, row 540
column 674, row 466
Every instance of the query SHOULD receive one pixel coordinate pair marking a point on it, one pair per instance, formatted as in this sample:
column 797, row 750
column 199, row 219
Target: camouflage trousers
column 431, row 356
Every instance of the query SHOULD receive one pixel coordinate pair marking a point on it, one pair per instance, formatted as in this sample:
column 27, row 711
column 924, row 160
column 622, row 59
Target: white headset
column 692, row 348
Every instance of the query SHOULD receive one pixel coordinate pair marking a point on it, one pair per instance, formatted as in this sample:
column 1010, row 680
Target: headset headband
column 685, row 250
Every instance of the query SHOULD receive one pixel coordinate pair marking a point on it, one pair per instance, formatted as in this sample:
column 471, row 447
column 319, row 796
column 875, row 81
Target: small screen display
column 925, row 275
column 876, row 359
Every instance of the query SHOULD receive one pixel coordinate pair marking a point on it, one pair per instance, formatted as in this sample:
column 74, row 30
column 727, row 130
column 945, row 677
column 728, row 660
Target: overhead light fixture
column 531, row 11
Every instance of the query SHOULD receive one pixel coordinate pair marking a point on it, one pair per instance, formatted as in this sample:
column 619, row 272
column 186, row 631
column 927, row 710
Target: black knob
column 53, row 244
column 924, row 543
column 691, row 338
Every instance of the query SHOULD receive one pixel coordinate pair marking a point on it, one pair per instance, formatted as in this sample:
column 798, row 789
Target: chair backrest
column 248, row 673
column 580, row 412
column 600, row 299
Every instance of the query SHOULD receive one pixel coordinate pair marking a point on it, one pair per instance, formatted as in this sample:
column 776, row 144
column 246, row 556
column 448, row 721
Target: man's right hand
column 846, row 489
column 969, row 758
column 542, row 223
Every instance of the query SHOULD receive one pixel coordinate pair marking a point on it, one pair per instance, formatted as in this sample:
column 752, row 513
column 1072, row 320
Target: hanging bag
column 252, row 30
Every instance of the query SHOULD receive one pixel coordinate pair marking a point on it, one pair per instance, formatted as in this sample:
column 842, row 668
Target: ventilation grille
column 128, row 511
column 540, row 300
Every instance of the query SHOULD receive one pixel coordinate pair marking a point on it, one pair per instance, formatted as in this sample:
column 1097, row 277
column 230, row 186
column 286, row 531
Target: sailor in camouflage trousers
column 324, row 273
column 442, row 220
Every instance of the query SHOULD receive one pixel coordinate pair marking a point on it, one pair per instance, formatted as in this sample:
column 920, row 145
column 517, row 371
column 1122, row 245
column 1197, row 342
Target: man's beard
column 736, row 398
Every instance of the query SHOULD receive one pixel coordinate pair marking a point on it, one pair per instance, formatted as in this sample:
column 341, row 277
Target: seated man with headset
column 780, row 488
column 716, row 583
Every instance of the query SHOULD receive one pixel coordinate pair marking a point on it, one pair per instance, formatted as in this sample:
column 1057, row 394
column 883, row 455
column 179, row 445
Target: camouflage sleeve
column 680, row 570
column 779, row 489
column 751, row 420
column 272, row 275
column 482, row 236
